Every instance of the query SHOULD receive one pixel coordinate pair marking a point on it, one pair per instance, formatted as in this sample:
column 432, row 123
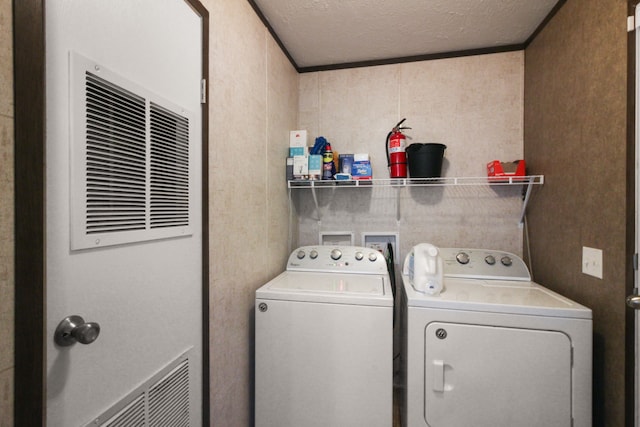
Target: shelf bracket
column 526, row 201
column 290, row 221
column 315, row 201
column 398, row 216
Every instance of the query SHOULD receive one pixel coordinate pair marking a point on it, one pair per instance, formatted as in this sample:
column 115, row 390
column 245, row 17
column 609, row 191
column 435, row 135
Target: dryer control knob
column 373, row 256
column 300, row 254
column 359, row 256
column 506, row 261
column 462, row 258
column 336, row 254
column 313, row 254
column 490, row 259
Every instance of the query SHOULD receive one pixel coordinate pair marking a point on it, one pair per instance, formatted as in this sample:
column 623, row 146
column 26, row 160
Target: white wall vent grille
column 163, row 400
column 131, row 161
column 116, row 162
column 169, row 168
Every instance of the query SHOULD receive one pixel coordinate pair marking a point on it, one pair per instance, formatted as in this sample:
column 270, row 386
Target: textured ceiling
column 328, row 32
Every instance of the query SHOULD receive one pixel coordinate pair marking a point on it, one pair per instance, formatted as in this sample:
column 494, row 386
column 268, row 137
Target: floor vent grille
column 163, row 400
column 169, row 399
column 133, row 415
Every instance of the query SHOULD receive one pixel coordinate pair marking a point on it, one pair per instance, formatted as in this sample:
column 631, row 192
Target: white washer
column 494, row 349
column 324, row 341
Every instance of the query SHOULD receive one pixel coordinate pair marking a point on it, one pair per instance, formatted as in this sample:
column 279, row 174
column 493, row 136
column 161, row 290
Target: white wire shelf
column 420, row 182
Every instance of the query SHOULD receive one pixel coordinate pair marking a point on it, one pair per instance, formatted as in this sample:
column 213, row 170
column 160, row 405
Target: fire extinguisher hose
column 386, row 146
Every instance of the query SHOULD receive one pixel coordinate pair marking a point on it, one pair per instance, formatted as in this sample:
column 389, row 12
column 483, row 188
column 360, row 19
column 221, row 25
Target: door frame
column 29, row 208
column 632, row 238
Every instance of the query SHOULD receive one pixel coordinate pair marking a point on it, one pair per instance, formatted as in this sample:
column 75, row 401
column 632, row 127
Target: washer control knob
column 336, row 254
column 373, row 256
column 490, row 259
column 313, row 254
column 300, row 254
column 506, row 261
column 359, row 256
column 462, row 258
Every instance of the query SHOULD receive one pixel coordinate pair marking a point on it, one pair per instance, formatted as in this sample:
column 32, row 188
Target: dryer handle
column 438, row 376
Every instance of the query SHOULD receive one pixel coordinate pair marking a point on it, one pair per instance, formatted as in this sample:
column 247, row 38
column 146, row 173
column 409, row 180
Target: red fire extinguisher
column 396, row 155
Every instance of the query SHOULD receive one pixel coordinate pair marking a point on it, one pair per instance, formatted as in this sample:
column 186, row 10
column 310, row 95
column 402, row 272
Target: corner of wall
column 6, row 214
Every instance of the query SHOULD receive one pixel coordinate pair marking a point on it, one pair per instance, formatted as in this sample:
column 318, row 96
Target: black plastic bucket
column 425, row 160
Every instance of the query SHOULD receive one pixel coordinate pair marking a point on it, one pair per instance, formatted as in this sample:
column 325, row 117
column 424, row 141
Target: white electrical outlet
column 592, row 262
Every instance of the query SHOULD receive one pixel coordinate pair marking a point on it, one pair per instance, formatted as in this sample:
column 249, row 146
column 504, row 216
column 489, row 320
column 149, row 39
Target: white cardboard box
column 300, row 166
column 298, row 138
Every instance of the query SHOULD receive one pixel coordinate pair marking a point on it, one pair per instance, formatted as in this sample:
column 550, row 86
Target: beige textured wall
column 575, row 134
column 253, row 101
column 473, row 105
column 6, row 216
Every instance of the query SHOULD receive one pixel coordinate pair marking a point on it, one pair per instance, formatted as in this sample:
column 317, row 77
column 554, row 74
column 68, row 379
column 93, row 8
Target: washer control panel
column 483, row 264
column 344, row 259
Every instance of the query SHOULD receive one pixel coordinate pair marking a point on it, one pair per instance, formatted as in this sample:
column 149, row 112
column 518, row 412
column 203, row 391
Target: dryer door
column 496, row 376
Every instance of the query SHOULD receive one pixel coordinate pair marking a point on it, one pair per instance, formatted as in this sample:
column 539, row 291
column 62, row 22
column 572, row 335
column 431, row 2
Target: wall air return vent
column 169, row 168
column 116, row 158
column 130, row 162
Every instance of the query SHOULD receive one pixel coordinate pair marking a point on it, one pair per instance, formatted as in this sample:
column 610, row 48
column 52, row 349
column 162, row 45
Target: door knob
column 74, row 328
column 633, row 301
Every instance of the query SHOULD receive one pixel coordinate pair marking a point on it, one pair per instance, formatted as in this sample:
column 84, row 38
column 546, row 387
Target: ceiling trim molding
column 266, row 23
column 415, row 58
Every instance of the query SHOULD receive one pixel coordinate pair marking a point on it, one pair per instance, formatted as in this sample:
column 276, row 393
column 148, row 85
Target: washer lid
column 497, row 296
column 329, row 288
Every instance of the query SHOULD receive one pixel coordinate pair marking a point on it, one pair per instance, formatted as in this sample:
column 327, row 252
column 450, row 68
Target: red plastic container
column 508, row 169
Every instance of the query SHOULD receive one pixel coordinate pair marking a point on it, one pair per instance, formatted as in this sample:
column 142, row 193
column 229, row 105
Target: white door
column 123, row 212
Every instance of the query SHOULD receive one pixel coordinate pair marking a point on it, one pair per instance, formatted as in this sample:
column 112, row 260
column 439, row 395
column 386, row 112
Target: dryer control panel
column 484, row 264
column 337, row 259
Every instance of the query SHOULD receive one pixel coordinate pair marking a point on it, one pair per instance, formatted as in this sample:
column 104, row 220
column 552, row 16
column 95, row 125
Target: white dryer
column 493, row 349
column 324, row 338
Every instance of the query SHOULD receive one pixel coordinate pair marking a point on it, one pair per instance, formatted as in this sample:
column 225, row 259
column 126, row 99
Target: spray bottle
column 328, row 166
